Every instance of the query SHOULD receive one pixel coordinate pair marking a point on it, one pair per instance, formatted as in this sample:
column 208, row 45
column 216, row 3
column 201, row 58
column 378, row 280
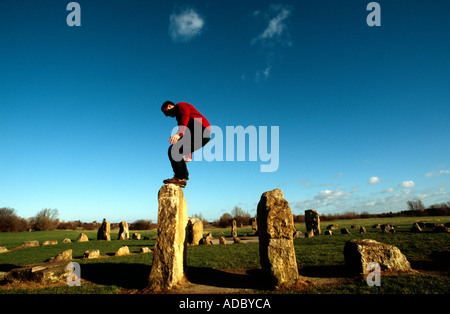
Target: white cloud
column 324, row 198
column 374, row 180
column 407, row 184
column 185, row 25
column 434, row 173
column 388, row 190
column 276, row 30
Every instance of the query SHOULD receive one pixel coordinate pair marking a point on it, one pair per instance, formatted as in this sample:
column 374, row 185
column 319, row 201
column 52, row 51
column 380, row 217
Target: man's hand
column 174, row 138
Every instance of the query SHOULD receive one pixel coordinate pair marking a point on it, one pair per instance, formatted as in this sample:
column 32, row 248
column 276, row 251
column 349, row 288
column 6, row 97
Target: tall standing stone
column 169, row 252
column 312, row 222
column 103, row 232
column 275, row 232
column 124, row 232
column 234, row 229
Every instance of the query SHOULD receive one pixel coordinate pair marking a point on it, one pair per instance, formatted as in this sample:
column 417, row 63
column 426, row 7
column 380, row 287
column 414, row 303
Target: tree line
column 415, row 209
column 47, row 219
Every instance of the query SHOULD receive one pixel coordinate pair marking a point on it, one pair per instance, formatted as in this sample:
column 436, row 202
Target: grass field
column 318, row 257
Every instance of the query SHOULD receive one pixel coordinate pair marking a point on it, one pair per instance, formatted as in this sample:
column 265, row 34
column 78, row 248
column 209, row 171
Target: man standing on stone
column 194, row 132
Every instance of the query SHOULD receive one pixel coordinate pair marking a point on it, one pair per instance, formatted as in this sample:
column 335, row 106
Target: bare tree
column 46, row 219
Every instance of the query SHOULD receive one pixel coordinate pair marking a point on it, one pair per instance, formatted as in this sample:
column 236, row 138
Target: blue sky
column 363, row 112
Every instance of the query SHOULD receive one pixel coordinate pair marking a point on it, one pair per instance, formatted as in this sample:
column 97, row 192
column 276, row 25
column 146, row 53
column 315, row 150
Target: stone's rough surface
column 41, row 273
column 124, row 233
column 254, row 226
column 136, row 236
column 145, row 250
column 64, row 256
column 30, row 243
column 66, row 240
column 123, row 251
column 103, row 232
column 275, row 233
column 3, row 249
column 92, row 254
column 312, row 221
column 82, row 238
column 169, row 252
column 194, row 231
column 359, row 253
column 50, row 242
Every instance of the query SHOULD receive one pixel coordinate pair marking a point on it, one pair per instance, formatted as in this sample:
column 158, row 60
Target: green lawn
column 320, row 256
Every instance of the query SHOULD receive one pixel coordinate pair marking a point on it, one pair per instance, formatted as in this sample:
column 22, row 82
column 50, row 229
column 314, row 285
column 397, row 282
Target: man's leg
column 179, row 167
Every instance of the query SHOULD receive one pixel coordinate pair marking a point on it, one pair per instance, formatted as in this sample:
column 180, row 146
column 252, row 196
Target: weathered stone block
column 312, row 221
column 41, row 273
column 124, row 233
column 359, row 253
column 169, row 252
column 275, row 232
column 194, row 231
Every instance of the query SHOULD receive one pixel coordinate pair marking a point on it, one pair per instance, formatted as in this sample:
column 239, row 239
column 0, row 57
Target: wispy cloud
column 437, row 173
column 276, row 31
column 185, row 25
column 275, row 34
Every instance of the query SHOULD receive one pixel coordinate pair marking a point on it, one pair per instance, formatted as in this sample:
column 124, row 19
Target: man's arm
column 185, row 115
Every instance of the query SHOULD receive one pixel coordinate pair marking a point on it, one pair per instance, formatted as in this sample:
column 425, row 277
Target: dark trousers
column 185, row 146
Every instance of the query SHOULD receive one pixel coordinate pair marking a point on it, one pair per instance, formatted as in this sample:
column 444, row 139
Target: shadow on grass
column 244, row 279
column 125, row 275
column 333, row 271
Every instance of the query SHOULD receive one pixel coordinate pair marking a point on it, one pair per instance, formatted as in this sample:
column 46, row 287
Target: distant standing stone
column 234, row 229
column 254, row 226
column 124, row 233
column 312, row 221
column 103, row 232
column 275, row 233
column 194, row 231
